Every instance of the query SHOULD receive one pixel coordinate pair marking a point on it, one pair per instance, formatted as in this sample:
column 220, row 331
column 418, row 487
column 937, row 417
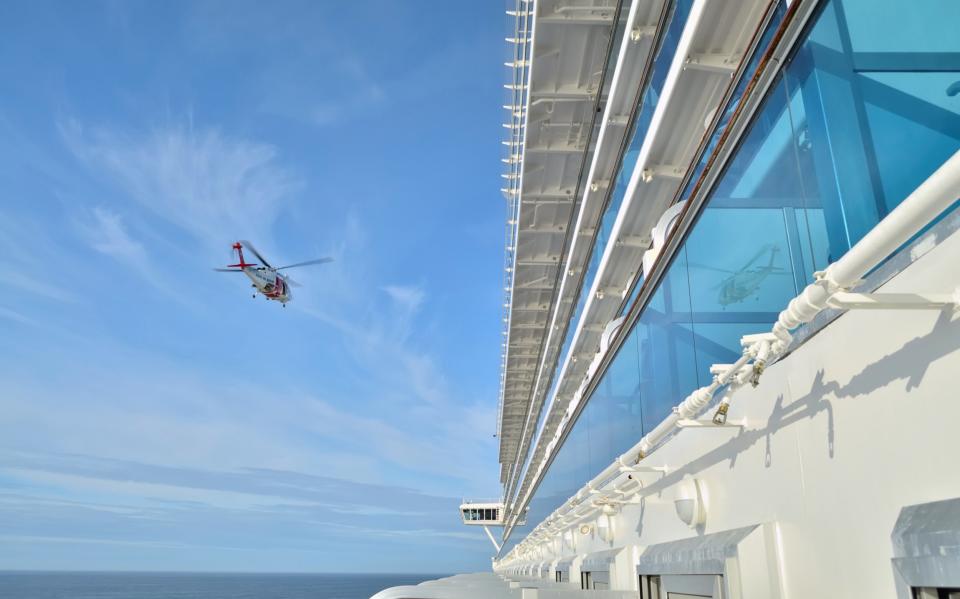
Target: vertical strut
column 496, row 545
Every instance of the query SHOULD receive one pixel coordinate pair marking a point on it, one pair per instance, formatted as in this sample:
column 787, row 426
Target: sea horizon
column 252, row 572
column 89, row 584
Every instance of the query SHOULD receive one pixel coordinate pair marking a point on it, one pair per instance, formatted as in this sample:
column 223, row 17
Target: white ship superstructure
column 732, row 332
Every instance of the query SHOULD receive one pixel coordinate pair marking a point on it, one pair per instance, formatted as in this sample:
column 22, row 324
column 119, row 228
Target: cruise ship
column 731, row 285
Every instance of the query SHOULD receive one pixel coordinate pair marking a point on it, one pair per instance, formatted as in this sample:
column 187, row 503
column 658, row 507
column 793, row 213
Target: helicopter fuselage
column 268, row 283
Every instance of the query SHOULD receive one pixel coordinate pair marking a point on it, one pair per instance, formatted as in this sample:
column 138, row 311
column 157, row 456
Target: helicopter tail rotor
column 250, row 247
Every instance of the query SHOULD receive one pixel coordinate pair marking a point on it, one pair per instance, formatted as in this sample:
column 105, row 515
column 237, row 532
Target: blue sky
column 154, row 415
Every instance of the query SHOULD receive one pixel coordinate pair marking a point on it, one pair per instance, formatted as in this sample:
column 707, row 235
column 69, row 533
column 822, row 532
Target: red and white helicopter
column 267, row 279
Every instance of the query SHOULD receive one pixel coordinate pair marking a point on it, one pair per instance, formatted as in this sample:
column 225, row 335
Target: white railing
column 519, row 87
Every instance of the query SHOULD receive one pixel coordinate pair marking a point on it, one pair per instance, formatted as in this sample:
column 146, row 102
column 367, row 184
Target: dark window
column 650, row 587
column 936, row 593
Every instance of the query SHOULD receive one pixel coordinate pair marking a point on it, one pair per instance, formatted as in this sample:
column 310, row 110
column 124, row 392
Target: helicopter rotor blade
column 290, row 281
column 708, row 267
column 307, row 263
column 228, row 269
column 250, row 247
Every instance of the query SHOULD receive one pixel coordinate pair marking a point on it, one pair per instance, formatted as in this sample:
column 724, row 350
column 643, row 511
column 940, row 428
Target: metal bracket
column 633, row 500
column 641, row 469
column 690, row 423
column 599, row 183
column 748, row 340
column 663, row 171
column 640, row 32
column 894, row 301
column 712, row 63
column 634, row 241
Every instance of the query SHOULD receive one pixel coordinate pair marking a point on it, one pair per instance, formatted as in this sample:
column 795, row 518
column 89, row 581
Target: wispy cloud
column 106, row 232
column 43, row 539
column 16, row 316
column 126, row 502
column 28, row 252
column 113, row 238
column 409, row 298
column 109, row 236
column 388, row 336
column 215, row 187
column 232, row 421
column 361, row 94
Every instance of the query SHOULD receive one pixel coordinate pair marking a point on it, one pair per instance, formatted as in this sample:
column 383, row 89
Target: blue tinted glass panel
column 867, row 108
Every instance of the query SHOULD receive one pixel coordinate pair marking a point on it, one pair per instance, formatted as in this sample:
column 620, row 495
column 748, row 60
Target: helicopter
column 266, row 279
column 745, row 282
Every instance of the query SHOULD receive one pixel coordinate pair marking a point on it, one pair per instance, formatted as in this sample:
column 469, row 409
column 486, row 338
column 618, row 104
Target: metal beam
column 552, row 229
column 538, row 307
column 544, row 261
column 576, row 20
column 556, row 149
column 570, row 93
column 541, row 287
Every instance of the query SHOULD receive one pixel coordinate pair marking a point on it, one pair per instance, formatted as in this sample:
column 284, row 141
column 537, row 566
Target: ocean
column 144, row 585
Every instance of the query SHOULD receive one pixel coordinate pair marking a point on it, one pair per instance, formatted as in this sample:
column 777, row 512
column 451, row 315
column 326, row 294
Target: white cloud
column 161, row 413
column 364, row 92
column 211, row 185
column 401, row 533
column 30, row 539
column 432, row 423
column 107, row 233
column 28, row 251
column 109, row 236
column 408, row 298
column 359, row 94
column 110, row 498
column 326, row 113
column 16, row 316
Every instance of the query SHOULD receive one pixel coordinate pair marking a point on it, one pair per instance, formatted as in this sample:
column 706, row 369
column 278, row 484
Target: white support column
column 496, row 545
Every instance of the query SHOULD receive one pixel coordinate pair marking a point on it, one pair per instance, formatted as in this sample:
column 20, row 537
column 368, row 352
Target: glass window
column 866, row 108
column 649, row 587
column 936, row 593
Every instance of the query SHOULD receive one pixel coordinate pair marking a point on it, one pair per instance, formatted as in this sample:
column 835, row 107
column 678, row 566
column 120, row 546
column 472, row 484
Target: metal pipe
column 932, row 197
column 927, row 201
